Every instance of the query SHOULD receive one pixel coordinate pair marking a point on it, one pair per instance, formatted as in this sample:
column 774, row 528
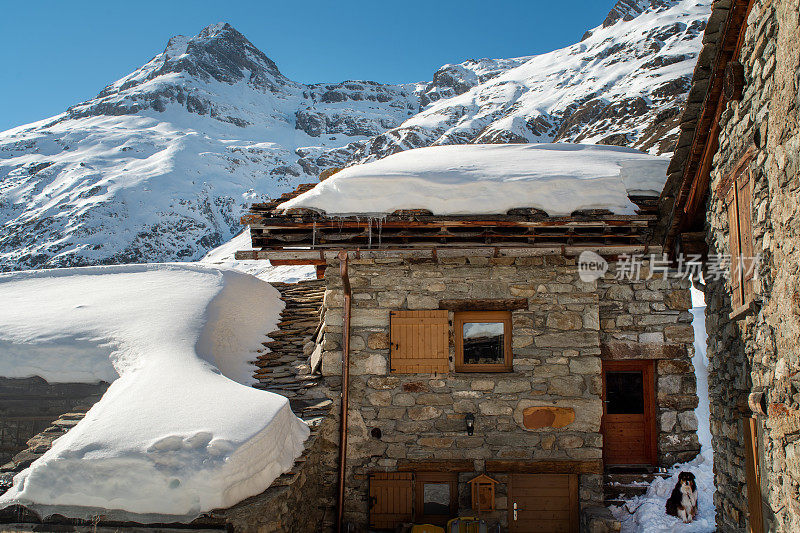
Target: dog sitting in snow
column 683, row 501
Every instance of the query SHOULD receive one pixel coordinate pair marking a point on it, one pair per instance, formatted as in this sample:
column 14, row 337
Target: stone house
column 470, row 344
column 732, row 195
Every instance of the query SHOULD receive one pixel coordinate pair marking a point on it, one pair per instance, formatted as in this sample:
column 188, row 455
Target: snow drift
column 491, row 179
column 179, row 432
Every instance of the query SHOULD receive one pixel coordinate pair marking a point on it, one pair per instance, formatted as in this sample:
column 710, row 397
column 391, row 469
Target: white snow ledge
column 172, row 436
column 491, row 179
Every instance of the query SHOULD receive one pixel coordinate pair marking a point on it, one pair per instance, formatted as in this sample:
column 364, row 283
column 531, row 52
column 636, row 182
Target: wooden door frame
column 574, row 488
column 647, row 366
column 420, row 479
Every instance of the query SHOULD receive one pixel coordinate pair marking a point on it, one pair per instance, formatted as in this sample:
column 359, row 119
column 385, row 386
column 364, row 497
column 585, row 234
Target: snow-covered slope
column 623, row 84
column 161, row 163
column 224, row 256
column 179, row 432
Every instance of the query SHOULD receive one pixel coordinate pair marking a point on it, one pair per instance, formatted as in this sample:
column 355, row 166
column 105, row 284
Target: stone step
column 623, row 482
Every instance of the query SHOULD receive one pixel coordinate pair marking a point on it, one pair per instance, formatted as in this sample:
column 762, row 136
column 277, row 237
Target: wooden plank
column 755, row 523
column 390, row 499
column 427, row 252
column 745, row 200
column 292, row 262
column 734, row 240
column 484, row 304
column 593, row 466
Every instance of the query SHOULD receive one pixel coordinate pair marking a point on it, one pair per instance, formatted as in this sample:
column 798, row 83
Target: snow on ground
column 179, row 432
column 262, row 269
column 491, row 179
column 647, row 514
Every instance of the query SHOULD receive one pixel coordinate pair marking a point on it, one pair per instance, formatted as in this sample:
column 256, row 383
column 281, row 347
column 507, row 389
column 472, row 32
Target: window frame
column 434, row 478
column 462, row 317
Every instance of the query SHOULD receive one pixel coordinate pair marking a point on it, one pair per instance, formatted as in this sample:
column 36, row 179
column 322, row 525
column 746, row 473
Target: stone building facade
column 753, row 349
column 561, row 337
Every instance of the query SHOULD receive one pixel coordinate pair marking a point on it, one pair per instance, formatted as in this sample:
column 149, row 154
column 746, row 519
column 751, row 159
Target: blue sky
column 57, row 53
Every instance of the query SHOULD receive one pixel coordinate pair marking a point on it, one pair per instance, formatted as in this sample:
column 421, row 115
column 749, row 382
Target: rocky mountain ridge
column 160, row 165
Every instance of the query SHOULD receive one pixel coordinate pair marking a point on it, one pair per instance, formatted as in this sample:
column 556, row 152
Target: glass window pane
column 484, row 343
column 624, row 393
column 436, row 498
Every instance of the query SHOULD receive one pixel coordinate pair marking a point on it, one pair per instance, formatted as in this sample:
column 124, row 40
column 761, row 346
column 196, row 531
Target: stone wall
column 29, row 405
column 649, row 319
column 760, row 352
column 558, row 341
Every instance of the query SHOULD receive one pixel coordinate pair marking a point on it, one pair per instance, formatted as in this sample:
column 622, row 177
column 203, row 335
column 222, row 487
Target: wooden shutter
column 390, row 499
column 744, row 197
column 420, row 342
column 735, row 245
column 752, row 476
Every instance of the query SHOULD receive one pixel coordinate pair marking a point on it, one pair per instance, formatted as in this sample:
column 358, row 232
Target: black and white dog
column 683, row 502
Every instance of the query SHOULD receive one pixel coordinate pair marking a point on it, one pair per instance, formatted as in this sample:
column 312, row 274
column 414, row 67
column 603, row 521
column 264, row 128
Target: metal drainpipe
column 345, row 386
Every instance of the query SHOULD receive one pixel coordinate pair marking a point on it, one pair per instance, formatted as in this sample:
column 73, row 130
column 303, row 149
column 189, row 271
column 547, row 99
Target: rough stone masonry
column 760, row 352
column 559, row 341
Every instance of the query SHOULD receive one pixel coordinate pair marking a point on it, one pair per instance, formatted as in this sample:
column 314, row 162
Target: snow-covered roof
column 491, row 179
column 178, row 432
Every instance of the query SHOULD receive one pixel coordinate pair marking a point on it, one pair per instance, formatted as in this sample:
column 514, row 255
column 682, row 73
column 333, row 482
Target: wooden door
column 544, row 503
column 629, row 418
column 390, row 499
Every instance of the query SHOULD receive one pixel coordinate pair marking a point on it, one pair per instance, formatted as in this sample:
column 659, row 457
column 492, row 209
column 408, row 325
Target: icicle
column 369, row 232
column 380, row 225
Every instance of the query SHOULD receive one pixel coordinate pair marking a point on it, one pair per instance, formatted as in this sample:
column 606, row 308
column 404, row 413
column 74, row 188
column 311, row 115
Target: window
column 737, row 189
column 419, row 342
column 483, row 341
column 436, row 497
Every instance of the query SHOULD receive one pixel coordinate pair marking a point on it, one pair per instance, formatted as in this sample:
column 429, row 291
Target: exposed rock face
column 630, row 9
column 161, row 163
column 626, row 80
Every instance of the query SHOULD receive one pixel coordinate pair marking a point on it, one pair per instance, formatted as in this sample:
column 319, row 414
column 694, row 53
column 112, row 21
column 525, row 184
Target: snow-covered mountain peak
column 630, row 9
column 159, row 166
column 179, row 74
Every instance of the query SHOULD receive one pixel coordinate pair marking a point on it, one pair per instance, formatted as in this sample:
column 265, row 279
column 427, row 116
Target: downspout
column 345, row 387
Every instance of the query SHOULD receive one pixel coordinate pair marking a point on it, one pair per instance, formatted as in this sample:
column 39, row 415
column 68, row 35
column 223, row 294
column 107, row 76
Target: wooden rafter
column 688, row 210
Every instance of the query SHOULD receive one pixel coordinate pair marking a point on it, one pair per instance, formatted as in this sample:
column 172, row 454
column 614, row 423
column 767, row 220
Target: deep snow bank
column 172, row 435
column 491, row 179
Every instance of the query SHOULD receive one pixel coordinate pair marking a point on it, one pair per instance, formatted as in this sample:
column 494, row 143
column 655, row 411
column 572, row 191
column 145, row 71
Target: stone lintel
column 620, row 350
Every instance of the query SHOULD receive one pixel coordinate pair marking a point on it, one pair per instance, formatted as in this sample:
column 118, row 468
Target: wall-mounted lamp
column 470, row 420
